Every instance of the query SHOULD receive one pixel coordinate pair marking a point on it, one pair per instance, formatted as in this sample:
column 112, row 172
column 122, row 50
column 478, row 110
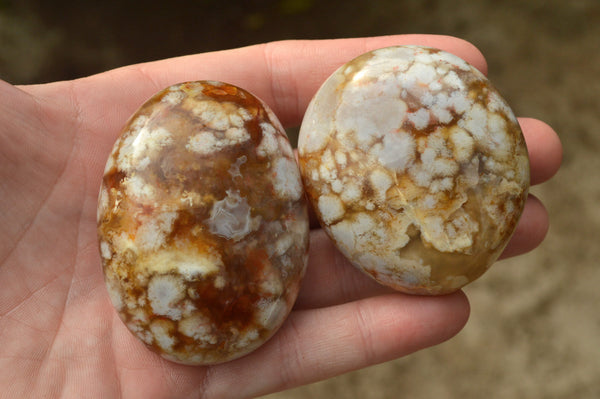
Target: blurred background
column 534, row 331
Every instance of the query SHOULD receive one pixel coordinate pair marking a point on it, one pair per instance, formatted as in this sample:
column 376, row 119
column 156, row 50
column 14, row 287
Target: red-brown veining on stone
column 162, row 196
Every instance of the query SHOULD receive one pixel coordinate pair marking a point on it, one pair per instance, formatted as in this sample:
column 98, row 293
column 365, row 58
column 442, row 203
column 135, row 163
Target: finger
column 544, row 147
column 530, row 230
column 284, row 74
column 333, row 280
column 297, row 69
column 287, row 74
column 318, row 344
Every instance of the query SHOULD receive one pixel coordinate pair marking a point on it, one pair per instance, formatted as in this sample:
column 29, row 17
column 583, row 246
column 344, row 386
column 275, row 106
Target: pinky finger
column 317, row 344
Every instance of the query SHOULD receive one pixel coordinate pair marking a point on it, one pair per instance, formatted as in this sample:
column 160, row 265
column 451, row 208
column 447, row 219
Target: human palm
column 60, row 335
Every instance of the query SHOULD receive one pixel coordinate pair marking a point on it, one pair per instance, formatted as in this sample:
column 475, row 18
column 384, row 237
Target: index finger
column 287, row 74
column 284, row 74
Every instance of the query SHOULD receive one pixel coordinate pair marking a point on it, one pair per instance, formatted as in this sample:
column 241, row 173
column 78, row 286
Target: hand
column 60, row 335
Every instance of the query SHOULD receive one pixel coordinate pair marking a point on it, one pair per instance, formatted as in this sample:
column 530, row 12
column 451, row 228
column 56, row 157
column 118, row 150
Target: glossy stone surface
column 416, row 167
column 203, row 223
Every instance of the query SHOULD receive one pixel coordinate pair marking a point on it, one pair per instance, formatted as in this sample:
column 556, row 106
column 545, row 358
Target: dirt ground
column 534, row 331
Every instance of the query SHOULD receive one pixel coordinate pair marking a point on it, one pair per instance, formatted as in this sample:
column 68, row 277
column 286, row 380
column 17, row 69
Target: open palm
column 60, row 335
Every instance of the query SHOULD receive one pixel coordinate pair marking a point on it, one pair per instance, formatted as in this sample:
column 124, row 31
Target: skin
column 60, row 334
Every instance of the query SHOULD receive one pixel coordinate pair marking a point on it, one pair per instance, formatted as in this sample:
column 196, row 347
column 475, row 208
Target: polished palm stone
column 415, row 166
column 202, row 223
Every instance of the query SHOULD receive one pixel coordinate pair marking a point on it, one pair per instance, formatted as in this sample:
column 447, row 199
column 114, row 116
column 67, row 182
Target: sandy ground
column 535, row 325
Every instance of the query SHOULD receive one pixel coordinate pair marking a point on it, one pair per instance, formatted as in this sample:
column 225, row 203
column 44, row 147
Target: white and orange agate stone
column 415, row 166
column 203, row 223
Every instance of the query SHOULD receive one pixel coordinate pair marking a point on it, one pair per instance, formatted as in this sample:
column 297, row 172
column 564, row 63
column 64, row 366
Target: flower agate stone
column 202, row 223
column 416, row 167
